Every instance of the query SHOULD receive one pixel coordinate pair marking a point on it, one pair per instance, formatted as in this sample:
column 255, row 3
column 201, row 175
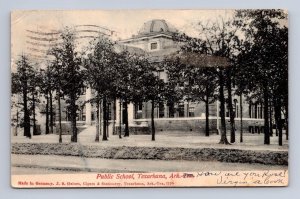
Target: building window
column 109, row 111
column 181, row 110
column 250, row 107
column 260, row 111
column 124, row 115
column 140, row 106
column 227, row 114
column 256, row 111
column 191, row 111
column 171, row 110
column 153, row 46
column 138, row 109
column 161, row 110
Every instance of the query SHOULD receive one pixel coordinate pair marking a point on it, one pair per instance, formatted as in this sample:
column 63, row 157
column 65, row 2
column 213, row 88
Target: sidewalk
column 172, row 151
column 163, row 139
column 42, row 164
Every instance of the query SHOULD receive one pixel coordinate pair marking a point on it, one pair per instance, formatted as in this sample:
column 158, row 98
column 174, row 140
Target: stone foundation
column 196, row 125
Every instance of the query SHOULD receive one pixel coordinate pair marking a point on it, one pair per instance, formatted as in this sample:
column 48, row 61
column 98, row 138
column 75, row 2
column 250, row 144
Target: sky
column 125, row 23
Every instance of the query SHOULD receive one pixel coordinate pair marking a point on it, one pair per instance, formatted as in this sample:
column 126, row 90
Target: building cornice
column 145, row 37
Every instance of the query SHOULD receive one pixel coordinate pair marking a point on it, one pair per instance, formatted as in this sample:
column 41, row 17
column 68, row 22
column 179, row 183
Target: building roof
column 119, row 47
column 200, row 60
column 159, row 28
column 156, row 26
column 160, row 55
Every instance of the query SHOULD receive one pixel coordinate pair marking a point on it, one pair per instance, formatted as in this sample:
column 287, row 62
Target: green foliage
column 22, row 81
column 174, row 87
column 254, row 46
column 72, row 78
column 100, row 68
column 263, row 61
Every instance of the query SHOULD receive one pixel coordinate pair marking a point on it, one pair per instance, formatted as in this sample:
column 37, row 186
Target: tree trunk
column 104, row 138
column 277, row 109
column 206, row 116
column 51, row 113
column 120, row 121
column 114, row 118
column 152, row 121
column 266, row 115
column 15, row 133
column 126, row 119
column 59, row 117
column 107, row 120
column 241, row 116
column 26, row 112
column 17, row 123
column 100, row 117
column 73, row 118
column 286, row 121
column 47, row 113
column 230, row 107
column 33, row 108
column 97, row 123
column 222, row 109
column 270, row 115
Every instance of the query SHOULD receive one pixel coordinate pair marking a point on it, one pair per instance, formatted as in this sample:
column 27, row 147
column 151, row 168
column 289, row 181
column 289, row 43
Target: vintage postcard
column 149, row 98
